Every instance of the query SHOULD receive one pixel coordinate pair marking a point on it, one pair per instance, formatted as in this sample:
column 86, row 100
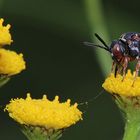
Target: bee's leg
column 137, row 71
column 125, row 64
column 120, row 70
column 120, row 66
column 113, row 65
column 116, row 70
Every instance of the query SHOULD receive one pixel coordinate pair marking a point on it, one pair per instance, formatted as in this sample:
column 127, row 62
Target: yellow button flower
column 127, row 97
column 5, row 36
column 10, row 62
column 115, row 85
column 43, row 112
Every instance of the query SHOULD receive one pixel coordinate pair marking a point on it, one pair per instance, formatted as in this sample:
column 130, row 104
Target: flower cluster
column 5, row 36
column 43, row 119
column 115, row 85
column 126, row 94
column 11, row 63
column 40, row 119
column 43, row 112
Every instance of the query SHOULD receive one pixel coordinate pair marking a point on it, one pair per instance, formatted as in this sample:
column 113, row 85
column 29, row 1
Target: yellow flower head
column 5, row 36
column 43, row 112
column 10, row 62
column 115, row 85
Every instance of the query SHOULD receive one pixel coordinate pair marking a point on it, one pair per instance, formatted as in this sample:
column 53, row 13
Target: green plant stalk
column 132, row 122
column 97, row 24
column 132, row 130
column 130, row 108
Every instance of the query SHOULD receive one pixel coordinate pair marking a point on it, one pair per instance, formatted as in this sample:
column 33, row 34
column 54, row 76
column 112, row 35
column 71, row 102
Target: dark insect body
column 122, row 50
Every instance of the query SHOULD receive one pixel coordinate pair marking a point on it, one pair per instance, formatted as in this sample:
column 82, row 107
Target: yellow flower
column 5, row 36
column 43, row 112
column 10, row 62
column 115, row 85
column 127, row 98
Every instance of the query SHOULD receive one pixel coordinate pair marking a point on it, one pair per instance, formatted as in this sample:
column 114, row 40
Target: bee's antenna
column 93, row 45
column 98, row 37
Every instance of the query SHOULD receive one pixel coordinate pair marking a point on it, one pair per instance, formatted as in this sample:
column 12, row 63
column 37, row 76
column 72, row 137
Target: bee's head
column 117, row 49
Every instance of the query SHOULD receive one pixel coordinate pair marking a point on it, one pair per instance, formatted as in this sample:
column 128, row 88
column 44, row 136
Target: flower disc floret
column 115, row 85
column 5, row 36
column 43, row 112
column 10, row 62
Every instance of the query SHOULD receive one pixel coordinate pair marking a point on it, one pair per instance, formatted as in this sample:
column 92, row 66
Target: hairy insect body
column 132, row 41
column 122, row 50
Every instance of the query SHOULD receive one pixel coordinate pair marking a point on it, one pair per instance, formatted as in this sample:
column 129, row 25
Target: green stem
column 132, row 130
column 130, row 108
column 97, row 24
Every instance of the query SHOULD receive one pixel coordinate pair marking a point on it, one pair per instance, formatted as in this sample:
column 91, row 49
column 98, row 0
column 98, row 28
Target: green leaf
column 3, row 80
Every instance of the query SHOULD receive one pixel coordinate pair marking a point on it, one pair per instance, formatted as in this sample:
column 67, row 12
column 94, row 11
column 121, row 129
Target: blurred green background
column 50, row 33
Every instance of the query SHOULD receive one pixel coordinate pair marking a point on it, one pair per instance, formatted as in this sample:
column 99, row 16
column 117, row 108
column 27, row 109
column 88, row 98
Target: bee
column 122, row 50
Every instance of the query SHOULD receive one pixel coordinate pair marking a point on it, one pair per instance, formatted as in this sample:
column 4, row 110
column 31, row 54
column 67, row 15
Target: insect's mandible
column 122, row 51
